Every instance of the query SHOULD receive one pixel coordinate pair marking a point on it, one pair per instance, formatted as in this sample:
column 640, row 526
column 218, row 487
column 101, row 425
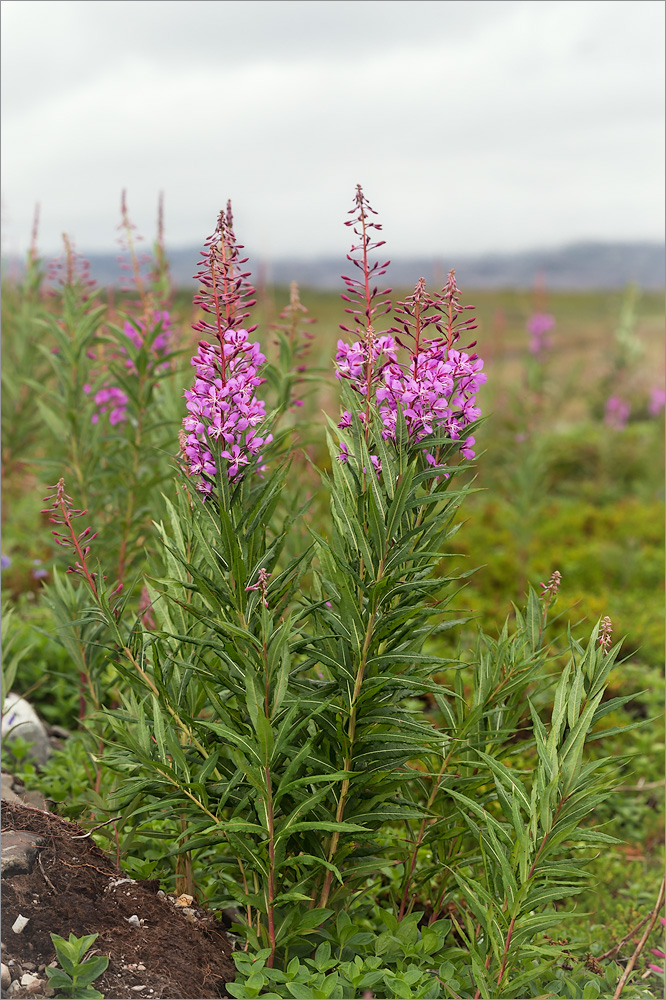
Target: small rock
column 27, row 979
column 29, row 966
column 140, row 968
column 137, row 988
column 20, row 719
column 19, row 850
column 6, row 976
column 36, row 799
column 161, row 894
column 19, row 923
column 184, row 900
column 7, row 791
column 133, row 921
column 114, row 882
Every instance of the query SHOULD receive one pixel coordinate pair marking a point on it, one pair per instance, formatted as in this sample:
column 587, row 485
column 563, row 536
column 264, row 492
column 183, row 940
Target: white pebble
column 19, row 923
column 133, row 921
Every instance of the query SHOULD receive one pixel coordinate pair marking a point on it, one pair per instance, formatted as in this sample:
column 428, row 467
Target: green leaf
column 90, row 970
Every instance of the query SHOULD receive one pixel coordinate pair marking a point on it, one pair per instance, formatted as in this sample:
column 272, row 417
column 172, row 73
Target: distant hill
column 579, row 266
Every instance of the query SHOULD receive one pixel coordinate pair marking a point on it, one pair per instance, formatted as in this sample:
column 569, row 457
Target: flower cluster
column 112, row 400
column 62, row 512
column 222, row 406
column 436, row 390
column 605, row 634
column 550, row 589
column 71, row 270
column 262, row 585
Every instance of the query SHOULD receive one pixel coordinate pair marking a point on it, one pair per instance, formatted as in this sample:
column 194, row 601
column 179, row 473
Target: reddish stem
column 271, row 870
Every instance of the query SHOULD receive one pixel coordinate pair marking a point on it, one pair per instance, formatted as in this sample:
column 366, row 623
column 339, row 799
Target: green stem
column 419, row 839
column 351, row 731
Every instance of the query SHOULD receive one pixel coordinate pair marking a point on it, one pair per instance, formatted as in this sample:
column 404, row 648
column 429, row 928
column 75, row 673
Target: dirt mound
column 156, row 947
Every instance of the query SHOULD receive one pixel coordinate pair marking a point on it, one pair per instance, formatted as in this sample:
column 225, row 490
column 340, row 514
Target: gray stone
column 19, row 850
column 6, row 976
column 13, row 791
column 19, row 719
column 8, row 793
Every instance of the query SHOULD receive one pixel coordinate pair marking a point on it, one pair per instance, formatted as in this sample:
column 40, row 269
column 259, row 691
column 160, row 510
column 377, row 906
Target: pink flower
column 222, row 406
column 617, row 412
column 657, row 401
column 538, row 326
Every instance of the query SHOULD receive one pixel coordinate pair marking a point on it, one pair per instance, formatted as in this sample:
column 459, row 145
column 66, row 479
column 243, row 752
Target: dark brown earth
column 177, row 952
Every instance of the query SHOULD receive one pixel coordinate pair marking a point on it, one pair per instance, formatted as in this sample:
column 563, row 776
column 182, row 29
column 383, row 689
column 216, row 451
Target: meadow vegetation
column 377, row 660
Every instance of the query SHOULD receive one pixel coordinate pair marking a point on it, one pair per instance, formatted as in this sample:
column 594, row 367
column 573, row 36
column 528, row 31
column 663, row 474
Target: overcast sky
column 472, row 125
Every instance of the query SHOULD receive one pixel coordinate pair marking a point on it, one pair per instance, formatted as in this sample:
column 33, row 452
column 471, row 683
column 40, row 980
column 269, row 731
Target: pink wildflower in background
column 657, row 401
column 71, row 270
column 617, row 412
column 539, row 326
column 160, row 344
column 659, row 953
column 111, row 400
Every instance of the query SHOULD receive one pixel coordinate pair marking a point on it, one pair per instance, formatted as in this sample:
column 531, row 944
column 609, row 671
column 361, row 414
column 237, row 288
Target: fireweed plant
column 107, row 402
column 285, row 715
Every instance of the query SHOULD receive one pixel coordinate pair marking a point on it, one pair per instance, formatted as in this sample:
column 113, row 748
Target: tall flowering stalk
column 224, row 422
column 108, row 390
column 134, row 263
column 435, row 388
column 62, row 512
column 294, row 342
column 160, row 277
column 410, row 395
column 22, row 341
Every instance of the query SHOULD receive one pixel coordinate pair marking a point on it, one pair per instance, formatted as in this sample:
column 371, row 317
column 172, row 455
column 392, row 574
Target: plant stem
column 351, row 730
column 271, row 869
column 421, row 834
column 641, row 944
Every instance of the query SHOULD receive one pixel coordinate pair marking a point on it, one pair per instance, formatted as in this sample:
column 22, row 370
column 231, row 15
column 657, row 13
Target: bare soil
column 176, row 952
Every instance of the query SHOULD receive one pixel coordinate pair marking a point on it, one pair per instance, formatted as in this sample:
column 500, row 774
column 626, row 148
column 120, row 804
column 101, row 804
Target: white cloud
column 472, row 126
